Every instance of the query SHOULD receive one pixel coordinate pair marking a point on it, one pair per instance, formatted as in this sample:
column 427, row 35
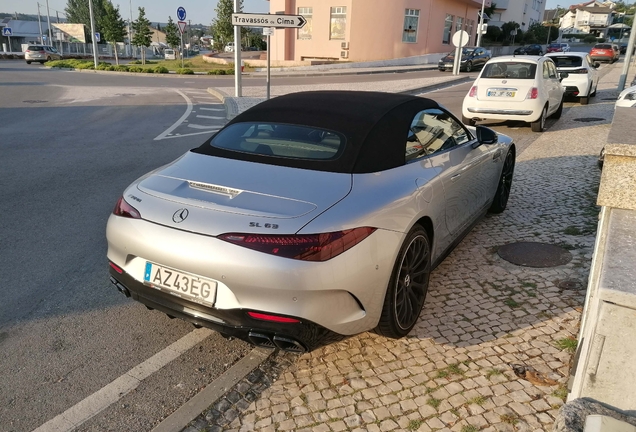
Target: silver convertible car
column 309, row 217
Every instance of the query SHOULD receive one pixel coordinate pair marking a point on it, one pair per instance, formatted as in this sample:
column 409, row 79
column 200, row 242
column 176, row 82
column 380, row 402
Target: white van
column 169, row 54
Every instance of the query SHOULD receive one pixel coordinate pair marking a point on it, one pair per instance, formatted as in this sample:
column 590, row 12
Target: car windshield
column 511, row 69
column 602, row 46
column 169, row 51
column 568, row 61
column 280, row 140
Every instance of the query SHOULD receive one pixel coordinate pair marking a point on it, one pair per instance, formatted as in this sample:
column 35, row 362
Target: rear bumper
column 296, row 337
column 503, row 112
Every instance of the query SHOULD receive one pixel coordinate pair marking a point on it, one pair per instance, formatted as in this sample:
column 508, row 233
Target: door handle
column 455, row 177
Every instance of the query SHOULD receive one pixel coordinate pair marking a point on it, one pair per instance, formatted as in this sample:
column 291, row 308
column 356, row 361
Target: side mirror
column 486, row 135
column 563, row 75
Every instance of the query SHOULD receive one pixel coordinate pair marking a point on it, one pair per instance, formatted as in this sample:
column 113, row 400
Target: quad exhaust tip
column 282, row 343
column 122, row 289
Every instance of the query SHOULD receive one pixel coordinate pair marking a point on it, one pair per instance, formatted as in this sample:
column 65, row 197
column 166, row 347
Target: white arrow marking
column 196, row 126
column 211, row 117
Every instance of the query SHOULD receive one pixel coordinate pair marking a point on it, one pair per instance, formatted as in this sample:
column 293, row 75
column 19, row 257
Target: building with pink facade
column 368, row 30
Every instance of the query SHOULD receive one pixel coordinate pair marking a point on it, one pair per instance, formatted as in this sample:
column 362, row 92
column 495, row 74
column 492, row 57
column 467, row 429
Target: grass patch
column 509, row 418
column 528, row 284
column 414, row 424
column 442, row 374
column 511, row 303
column 493, row 372
column 572, row 230
column 434, row 402
column 478, row 400
column 561, row 393
column 469, row 428
column 455, row 369
column 567, row 344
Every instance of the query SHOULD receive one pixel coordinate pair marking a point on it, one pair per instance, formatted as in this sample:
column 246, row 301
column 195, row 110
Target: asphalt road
column 70, row 143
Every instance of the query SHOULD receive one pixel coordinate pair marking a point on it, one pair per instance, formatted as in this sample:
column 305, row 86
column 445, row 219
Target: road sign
column 460, row 38
column 181, row 13
column 182, row 26
column 98, row 37
column 268, row 20
column 268, row 31
column 6, row 31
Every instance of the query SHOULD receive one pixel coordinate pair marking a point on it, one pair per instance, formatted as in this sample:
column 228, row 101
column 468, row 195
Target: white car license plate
column 184, row 285
column 501, row 93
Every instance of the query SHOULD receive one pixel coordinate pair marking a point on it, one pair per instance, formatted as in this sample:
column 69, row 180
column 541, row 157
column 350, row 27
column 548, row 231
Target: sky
column 198, row 11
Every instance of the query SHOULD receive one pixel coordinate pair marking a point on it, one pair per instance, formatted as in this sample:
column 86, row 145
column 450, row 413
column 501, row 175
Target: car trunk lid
column 504, row 90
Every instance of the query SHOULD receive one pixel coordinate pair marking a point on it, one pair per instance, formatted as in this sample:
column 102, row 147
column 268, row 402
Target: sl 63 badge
column 267, row 225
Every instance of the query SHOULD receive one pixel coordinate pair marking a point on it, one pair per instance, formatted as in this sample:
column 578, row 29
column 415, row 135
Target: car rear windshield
column 511, row 69
column 280, row 140
column 603, row 46
column 567, row 61
column 35, row 48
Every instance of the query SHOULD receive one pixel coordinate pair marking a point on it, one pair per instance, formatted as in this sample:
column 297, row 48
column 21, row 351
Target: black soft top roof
column 375, row 125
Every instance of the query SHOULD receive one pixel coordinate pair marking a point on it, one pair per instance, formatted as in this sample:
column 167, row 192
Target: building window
column 305, row 31
column 338, row 22
column 460, row 24
column 411, row 21
column 448, row 27
column 471, row 25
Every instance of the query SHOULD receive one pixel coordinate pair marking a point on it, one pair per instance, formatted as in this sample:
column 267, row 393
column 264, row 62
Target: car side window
column 546, row 71
column 434, row 131
column 552, row 69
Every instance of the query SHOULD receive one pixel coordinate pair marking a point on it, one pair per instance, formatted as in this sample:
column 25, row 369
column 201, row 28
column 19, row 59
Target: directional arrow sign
column 182, row 26
column 7, row 31
column 268, row 20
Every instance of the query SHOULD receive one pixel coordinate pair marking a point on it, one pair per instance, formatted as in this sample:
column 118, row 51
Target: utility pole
column 90, row 10
column 40, row 24
column 481, row 22
column 628, row 57
column 547, row 42
column 130, row 30
column 237, row 54
column 48, row 20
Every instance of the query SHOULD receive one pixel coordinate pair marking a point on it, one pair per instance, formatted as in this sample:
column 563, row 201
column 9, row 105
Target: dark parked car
column 533, row 49
column 472, row 58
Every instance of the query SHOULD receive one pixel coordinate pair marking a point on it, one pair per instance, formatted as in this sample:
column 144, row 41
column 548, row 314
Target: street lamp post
column 481, row 22
column 90, row 10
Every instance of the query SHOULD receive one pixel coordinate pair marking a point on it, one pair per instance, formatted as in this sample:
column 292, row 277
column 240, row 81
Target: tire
column 468, row 121
column 539, row 125
column 584, row 100
column 505, row 183
column 408, row 285
column 594, row 92
column 28, row 61
column 442, row 70
column 558, row 112
column 469, row 66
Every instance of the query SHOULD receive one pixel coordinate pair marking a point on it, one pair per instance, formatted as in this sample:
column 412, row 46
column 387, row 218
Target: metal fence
column 107, row 50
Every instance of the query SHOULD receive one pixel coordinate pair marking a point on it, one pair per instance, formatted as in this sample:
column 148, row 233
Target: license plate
column 184, row 285
column 501, row 93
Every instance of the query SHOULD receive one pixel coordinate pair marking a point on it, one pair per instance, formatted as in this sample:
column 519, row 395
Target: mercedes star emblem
column 180, row 215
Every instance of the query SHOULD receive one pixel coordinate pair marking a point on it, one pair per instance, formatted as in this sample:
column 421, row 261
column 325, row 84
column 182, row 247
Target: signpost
column 269, row 22
column 6, row 31
column 181, row 16
column 98, row 37
column 460, row 40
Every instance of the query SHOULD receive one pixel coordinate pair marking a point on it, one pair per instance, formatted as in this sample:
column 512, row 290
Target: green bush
column 187, row 65
column 161, row 70
column 135, row 62
column 148, row 70
column 216, row 72
column 601, row 40
column 229, row 72
column 104, row 66
column 185, row 71
column 121, row 68
column 589, row 39
column 135, row 69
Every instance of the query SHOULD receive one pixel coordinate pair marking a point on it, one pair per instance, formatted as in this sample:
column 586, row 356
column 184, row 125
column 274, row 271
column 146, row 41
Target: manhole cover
column 570, row 285
column 35, row 101
column 588, row 119
column 531, row 254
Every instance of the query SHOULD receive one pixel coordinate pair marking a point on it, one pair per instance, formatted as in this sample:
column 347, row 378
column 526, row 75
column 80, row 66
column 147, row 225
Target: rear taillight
column 116, row 267
column 533, row 93
column 123, row 209
column 306, row 247
column 473, row 91
column 581, row 71
column 273, row 318
column 28, row 51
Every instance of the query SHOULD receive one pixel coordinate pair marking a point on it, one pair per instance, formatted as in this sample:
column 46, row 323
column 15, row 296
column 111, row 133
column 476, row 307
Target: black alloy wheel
column 408, row 286
column 469, row 66
column 505, row 184
column 539, row 125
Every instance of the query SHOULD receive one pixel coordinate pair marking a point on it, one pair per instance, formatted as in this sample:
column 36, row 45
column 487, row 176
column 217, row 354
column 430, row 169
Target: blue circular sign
column 181, row 13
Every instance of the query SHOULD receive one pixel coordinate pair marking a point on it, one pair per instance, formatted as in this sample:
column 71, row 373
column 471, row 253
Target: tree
column 493, row 33
column 172, row 34
column 222, row 28
column 77, row 11
column 508, row 27
column 143, row 34
column 113, row 27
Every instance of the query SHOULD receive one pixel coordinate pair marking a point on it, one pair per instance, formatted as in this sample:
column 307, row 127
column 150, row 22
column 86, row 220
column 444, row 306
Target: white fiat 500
column 521, row 88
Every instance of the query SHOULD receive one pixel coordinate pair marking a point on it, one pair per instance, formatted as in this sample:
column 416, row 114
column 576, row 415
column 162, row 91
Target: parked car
column 288, row 230
column 169, row 54
column 582, row 77
column 627, row 98
column 515, row 88
column 558, row 47
column 533, row 49
column 623, row 47
column 472, row 58
column 229, row 47
column 41, row 53
column 603, row 52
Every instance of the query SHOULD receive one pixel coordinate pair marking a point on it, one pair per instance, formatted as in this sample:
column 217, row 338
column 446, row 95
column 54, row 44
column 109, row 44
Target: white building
column 523, row 12
column 593, row 18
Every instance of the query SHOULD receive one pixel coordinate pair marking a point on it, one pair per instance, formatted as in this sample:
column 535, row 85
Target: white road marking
column 211, row 117
column 204, row 97
column 193, row 133
column 212, row 109
column 196, row 126
column 185, row 115
column 117, row 389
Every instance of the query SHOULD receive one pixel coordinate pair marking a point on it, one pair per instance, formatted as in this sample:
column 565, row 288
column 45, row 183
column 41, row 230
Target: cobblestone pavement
column 482, row 315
